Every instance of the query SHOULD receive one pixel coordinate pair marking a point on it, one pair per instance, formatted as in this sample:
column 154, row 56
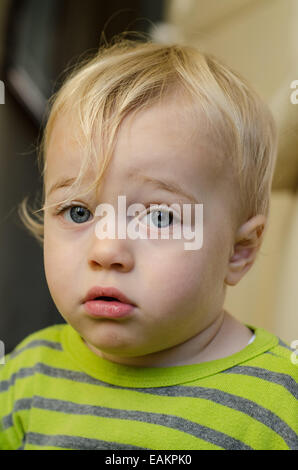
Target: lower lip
column 105, row 309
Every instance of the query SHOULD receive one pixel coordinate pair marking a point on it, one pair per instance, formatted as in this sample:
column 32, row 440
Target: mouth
column 107, row 299
column 107, row 302
column 107, row 294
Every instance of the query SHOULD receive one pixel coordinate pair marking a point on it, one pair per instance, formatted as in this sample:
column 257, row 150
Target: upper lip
column 98, row 291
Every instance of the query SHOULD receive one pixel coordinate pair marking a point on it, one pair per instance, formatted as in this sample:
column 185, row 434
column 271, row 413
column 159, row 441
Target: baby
column 148, row 357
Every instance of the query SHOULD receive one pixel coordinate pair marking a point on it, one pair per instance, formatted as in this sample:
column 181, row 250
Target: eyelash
column 63, row 208
column 60, row 210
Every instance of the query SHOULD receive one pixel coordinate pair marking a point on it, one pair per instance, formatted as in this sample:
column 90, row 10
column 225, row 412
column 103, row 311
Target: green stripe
column 279, row 378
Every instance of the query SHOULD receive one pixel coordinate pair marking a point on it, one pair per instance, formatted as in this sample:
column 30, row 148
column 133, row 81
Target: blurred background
column 39, row 40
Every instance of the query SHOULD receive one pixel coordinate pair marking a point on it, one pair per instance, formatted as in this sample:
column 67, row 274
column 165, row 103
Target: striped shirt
column 55, row 393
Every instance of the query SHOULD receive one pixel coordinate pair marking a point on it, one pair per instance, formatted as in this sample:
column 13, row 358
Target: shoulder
column 31, row 350
column 278, row 359
column 272, row 361
column 49, row 337
column 264, row 387
column 269, row 378
column 280, row 364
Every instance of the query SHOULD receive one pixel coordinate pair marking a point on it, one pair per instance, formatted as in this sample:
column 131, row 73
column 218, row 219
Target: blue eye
column 161, row 218
column 77, row 214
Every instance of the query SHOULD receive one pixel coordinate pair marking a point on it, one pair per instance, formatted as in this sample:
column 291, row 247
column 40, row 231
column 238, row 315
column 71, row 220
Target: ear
column 247, row 243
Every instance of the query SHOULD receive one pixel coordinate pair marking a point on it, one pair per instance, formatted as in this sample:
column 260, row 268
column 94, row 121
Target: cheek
column 52, row 257
column 58, row 265
column 51, row 267
column 60, row 250
column 59, row 271
column 176, row 276
column 186, row 277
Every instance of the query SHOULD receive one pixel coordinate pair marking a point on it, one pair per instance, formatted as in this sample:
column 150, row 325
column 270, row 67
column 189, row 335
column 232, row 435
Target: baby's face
column 177, row 292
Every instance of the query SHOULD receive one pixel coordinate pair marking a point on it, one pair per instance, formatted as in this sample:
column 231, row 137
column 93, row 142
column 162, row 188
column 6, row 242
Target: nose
column 111, row 254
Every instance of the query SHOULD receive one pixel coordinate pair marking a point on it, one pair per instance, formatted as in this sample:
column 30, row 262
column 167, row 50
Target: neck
column 192, row 351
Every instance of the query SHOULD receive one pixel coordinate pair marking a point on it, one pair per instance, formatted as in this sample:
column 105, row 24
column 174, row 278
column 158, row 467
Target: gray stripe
column 284, row 345
column 20, row 374
column 189, row 427
column 272, row 354
column 68, row 374
column 21, row 404
column 7, row 421
column 279, row 378
column 76, row 443
column 244, row 405
column 26, row 372
column 55, row 372
column 35, row 344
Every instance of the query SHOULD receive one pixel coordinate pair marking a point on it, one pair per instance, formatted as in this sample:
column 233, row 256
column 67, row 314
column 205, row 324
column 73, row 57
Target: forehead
column 63, row 146
column 169, row 134
column 169, row 137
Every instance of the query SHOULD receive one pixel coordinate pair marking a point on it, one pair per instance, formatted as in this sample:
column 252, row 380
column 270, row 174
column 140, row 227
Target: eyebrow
column 170, row 186
column 62, row 183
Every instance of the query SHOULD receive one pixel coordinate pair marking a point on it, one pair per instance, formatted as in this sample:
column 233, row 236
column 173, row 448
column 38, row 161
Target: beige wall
column 259, row 38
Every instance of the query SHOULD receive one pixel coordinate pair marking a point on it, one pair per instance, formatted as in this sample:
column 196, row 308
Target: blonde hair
column 127, row 76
